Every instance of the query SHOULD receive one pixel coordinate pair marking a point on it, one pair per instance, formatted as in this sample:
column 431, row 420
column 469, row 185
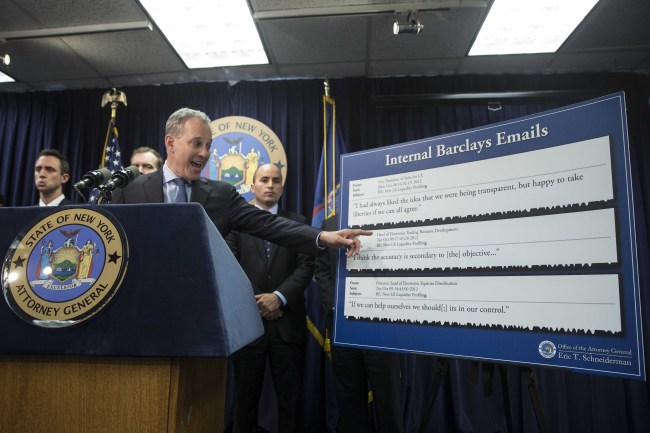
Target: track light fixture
column 413, row 26
column 5, row 59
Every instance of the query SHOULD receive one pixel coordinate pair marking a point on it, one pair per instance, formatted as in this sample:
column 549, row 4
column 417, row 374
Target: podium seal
column 65, row 267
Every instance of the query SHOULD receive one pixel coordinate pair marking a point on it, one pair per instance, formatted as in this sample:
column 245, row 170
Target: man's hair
column 65, row 165
column 258, row 169
column 176, row 121
column 145, row 149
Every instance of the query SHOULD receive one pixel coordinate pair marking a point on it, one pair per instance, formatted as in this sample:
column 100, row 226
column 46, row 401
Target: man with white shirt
column 51, row 171
column 279, row 277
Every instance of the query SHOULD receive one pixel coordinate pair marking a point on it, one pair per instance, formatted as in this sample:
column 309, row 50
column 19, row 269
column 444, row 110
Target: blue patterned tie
column 181, row 194
column 267, row 247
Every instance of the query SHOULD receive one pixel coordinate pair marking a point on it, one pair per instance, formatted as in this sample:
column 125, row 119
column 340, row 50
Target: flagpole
column 108, row 134
column 326, row 97
column 333, row 135
column 112, row 97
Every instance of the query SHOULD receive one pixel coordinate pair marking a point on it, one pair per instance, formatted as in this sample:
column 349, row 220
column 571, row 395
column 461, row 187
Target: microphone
column 93, row 179
column 121, row 178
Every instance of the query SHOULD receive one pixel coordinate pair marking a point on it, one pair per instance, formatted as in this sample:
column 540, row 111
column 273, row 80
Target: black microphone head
column 100, row 175
column 93, row 178
column 133, row 172
column 121, row 178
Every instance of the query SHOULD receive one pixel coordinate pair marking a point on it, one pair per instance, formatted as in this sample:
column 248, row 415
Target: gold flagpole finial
column 326, row 83
column 114, row 96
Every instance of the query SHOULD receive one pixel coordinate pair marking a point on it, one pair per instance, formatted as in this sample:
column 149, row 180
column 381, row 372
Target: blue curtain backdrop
column 370, row 113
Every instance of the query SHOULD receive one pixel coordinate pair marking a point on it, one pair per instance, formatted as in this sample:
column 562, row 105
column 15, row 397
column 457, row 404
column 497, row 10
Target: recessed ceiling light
column 529, row 26
column 209, row 33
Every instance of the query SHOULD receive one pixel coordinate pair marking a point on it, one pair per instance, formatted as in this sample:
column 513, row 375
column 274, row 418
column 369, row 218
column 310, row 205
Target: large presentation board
column 513, row 242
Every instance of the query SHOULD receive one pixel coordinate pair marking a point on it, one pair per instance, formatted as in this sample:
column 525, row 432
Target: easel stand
column 441, row 368
column 488, row 373
column 531, row 380
column 439, row 372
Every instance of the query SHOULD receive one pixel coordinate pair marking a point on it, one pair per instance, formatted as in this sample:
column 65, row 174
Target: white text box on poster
column 564, row 175
column 569, row 303
column 578, row 238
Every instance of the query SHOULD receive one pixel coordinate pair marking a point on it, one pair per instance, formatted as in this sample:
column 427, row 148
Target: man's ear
column 169, row 143
column 65, row 178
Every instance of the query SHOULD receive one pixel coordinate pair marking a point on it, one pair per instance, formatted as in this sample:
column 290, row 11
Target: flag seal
column 240, row 145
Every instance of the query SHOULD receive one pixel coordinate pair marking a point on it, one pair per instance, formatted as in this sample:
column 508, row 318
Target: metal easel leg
column 507, row 400
column 440, row 371
column 531, row 380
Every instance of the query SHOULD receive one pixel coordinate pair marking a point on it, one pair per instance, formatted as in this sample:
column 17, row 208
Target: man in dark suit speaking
column 187, row 140
column 279, row 277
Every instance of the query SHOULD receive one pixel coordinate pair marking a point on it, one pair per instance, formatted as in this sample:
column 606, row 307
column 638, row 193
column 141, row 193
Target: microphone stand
column 119, row 179
column 80, row 193
column 105, row 195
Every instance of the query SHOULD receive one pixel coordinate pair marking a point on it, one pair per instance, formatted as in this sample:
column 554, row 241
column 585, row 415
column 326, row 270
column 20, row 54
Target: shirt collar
column 168, row 174
column 54, row 202
column 273, row 210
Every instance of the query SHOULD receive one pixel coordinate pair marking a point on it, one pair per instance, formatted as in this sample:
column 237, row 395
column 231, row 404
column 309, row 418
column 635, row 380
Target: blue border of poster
column 585, row 350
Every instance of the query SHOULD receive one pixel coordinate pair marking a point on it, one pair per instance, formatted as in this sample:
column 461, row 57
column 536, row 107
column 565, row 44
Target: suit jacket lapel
column 200, row 192
column 153, row 189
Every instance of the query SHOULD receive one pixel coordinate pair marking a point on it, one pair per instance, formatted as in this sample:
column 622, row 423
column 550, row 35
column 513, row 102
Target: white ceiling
column 305, row 39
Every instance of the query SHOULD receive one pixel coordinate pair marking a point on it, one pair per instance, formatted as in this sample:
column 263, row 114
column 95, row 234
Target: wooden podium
column 100, row 394
column 154, row 360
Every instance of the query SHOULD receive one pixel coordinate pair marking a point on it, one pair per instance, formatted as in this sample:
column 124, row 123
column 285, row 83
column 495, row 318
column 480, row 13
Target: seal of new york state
column 65, row 267
column 239, row 146
column 547, row 349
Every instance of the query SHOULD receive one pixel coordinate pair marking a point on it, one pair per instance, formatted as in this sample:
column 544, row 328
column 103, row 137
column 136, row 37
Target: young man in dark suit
column 279, row 277
column 187, row 141
column 51, row 172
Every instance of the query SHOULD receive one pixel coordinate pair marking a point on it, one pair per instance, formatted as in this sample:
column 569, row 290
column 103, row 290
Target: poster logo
column 547, row 349
column 65, row 267
column 240, row 145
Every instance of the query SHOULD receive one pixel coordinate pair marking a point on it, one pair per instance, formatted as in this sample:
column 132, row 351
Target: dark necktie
column 181, row 195
column 267, row 248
